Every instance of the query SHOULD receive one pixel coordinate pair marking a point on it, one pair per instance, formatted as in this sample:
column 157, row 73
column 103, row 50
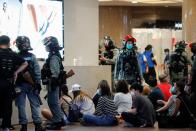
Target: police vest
column 28, row 57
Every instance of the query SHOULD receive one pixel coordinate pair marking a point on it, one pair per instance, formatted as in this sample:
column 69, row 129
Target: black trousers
column 131, row 118
column 6, row 102
column 150, row 75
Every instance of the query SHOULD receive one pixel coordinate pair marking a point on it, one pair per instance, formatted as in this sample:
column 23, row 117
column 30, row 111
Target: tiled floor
column 77, row 127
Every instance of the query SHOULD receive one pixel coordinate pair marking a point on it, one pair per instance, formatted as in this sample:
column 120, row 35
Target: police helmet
column 110, row 45
column 193, row 47
column 52, row 43
column 180, row 45
column 107, row 37
column 23, row 43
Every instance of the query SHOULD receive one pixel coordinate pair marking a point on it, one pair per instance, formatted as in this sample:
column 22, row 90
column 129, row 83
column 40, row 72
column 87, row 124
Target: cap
column 75, row 87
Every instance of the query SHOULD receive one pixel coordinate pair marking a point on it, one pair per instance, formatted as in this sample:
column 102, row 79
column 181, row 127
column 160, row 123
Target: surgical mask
column 139, row 51
column 47, row 49
column 166, row 53
column 173, row 90
column 129, row 46
column 98, row 91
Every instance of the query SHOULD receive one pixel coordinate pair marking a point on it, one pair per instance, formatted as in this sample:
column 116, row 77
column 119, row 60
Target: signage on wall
column 44, row 19
column 36, row 19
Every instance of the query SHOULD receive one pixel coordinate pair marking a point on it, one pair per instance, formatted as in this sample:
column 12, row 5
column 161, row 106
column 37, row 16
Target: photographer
column 29, row 85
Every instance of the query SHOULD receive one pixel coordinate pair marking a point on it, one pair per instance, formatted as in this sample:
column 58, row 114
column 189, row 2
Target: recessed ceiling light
column 104, row 0
column 134, row 2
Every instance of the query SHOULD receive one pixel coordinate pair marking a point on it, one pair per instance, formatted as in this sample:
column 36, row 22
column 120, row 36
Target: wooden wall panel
column 117, row 21
column 114, row 21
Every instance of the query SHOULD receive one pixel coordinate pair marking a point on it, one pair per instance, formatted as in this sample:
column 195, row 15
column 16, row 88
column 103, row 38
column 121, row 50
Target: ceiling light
column 134, row 2
column 104, row 0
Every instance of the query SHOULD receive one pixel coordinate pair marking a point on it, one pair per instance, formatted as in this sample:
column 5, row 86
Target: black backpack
column 46, row 73
column 178, row 62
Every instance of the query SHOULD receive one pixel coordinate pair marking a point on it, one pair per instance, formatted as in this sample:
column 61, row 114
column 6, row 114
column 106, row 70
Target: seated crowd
column 134, row 105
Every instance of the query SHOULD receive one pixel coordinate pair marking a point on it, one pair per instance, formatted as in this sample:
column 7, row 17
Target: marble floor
column 78, row 127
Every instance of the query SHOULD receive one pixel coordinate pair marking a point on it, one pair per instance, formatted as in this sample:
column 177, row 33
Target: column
column 189, row 20
column 81, row 32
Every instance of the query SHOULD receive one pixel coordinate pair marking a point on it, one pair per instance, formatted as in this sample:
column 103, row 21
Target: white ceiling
column 142, row 2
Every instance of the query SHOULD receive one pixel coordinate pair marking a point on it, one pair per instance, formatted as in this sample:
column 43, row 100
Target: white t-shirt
column 85, row 104
column 123, row 102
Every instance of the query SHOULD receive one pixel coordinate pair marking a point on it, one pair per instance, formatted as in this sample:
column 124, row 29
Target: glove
column 38, row 88
column 54, row 82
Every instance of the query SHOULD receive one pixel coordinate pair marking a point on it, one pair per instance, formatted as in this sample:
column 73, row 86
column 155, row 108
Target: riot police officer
column 178, row 62
column 10, row 66
column 50, row 74
column 109, row 55
column 193, row 82
column 30, row 85
column 127, row 66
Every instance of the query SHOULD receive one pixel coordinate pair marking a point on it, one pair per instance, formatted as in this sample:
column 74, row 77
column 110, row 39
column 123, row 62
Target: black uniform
column 9, row 61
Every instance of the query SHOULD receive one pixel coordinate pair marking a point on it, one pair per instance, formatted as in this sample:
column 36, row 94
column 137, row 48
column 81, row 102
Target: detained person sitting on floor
column 105, row 114
column 122, row 98
column 142, row 114
column 82, row 100
column 155, row 94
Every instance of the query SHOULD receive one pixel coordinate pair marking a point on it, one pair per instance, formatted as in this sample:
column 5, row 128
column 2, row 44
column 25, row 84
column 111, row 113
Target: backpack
column 46, row 73
column 178, row 63
column 74, row 111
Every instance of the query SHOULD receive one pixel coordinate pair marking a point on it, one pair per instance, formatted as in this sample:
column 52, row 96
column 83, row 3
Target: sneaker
column 54, row 126
column 127, row 124
column 6, row 129
column 39, row 127
column 12, row 127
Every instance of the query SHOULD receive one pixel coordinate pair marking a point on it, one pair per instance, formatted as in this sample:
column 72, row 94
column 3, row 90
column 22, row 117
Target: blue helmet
column 23, row 43
column 52, row 43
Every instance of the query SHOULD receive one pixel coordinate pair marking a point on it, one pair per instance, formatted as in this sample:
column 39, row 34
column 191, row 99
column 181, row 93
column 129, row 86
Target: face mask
column 166, row 53
column 129, row 46
column 173, row 90
column 98, row 91
column 139, row 51
column 47, row 49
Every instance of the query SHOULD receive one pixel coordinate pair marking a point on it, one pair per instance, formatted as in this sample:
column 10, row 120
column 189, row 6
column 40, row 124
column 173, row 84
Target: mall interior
column 80, row 27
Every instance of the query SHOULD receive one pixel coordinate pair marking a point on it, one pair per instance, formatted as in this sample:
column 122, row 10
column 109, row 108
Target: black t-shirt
column 144, row 109
column 9, row 62
column 155, row 95
column 184, row 113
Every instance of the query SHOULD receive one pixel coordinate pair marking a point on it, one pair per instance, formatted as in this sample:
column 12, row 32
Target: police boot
column 39, row 127
column 23, row 127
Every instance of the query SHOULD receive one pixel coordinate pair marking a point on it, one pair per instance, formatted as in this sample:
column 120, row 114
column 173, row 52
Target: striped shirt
column 106, row 106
